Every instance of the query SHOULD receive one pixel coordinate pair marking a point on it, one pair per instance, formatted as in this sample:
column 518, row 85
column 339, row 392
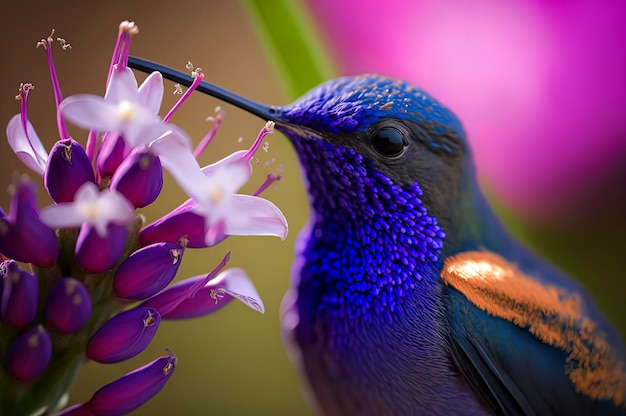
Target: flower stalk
column 96, row 281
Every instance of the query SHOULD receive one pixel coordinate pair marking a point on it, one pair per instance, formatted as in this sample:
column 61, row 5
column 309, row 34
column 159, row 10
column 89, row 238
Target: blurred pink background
column 540, row 87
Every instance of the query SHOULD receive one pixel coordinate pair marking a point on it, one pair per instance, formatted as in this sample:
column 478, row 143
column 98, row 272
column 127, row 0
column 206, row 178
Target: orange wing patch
column 551, row 314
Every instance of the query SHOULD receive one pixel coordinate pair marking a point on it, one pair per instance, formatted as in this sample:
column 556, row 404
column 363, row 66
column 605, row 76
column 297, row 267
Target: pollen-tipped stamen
column 198, row 76
column 22, row 96
column 122, row 46
column 217, row 120
column 267, row 129
column 58, row 96
column 271, row 178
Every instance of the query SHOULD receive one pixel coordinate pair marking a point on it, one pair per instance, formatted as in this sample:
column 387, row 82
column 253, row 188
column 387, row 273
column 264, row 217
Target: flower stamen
column 217, row 294
column 215, row 194
column 64, row 44
column 206, row 140
column 267, row 129
column 198, row 76
column 150, row 319
column 89, row 210
column 126, row 111
column 122, row 46
column 22, row 96
column 58, row 96
column 271, row 178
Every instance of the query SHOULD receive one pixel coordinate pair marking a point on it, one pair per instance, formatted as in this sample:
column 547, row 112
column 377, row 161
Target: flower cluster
column 85, row 278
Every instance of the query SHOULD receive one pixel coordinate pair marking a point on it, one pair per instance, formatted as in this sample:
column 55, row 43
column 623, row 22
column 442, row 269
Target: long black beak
column 263, row 111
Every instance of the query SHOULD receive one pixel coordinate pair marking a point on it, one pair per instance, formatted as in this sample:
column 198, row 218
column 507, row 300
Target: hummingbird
column 408, row 296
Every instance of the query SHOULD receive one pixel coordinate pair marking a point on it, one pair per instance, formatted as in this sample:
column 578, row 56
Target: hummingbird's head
column 371, row 126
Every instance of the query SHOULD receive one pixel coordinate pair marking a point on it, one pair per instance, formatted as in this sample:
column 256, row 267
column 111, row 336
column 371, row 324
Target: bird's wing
column 527, row 348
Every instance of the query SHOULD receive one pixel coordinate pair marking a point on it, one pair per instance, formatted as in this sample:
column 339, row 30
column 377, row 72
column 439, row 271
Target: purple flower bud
column 124, row 336
column 111, row 154
column 68, row 168
column 203, row 295
column 23, row 236
column 178, row 223
column 68, row 305
column 205, row 301
column 97, row 254
column 134, row 389
column 148, row 270
column 139, row 178
column 20, row 295
column 29, row 355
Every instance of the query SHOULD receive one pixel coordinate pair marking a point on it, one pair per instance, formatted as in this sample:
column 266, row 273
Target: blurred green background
column 231, row 363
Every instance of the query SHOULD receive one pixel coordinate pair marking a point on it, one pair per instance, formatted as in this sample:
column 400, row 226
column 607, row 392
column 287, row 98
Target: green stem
column 292, row 44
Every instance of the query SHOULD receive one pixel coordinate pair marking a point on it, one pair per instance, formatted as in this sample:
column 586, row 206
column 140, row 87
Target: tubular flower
column 148, row 270
column 67, row 170
column 124, row 336
column 68, row 305
column 20, row 294
column 86, row 253
column 128, row 392
column 23, row 236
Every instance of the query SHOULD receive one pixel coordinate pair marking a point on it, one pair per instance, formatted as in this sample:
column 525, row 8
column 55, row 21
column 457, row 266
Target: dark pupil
column 388, row 141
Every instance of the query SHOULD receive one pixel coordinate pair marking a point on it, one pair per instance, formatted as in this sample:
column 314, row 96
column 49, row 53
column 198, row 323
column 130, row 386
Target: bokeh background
column 233, row 363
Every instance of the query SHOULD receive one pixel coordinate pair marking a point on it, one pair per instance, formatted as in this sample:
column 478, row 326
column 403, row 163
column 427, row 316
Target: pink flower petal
column 122, row 110
column 252, row 215
column 236, row 283
column 231, row 172
column 90, row 112
column 151, row 92
column 176, row 156
column 234, row 157
column 152, row 128
column 144, row 128
column 31, row 153
column 90, row 206
column 61, row 216
column 123, row 86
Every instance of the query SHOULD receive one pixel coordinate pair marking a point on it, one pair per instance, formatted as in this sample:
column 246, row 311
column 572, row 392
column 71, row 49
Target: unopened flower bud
column 139, row 178
column 96, row 253
column 112, row 153
column 124, row 336
column 128, row 392
column 29, row 355
column 212, row 296
column 23, row 236
column 68, row 305
column 68, row 168
column 180, row 222
column 20, row 295
column 148, row 270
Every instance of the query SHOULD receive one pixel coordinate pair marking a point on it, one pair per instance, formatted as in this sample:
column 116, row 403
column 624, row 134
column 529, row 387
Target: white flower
column 125, row 109
column 91, row 206
column 214, row 191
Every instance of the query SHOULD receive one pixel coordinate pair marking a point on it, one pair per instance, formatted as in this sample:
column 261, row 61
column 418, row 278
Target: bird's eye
column 389, row 141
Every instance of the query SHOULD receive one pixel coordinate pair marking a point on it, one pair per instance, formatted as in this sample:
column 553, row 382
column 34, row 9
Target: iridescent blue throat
column 371, row 240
